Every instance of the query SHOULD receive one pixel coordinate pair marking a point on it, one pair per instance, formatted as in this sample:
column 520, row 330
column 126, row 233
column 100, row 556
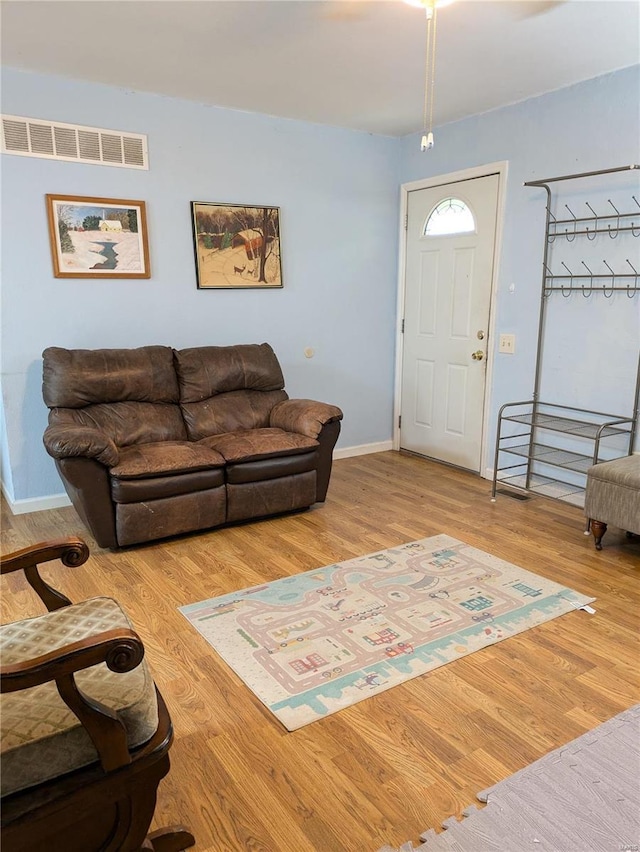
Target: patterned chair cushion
column 41, row 737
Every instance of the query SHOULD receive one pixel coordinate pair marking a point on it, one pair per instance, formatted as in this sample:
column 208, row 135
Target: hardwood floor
column 396, row 764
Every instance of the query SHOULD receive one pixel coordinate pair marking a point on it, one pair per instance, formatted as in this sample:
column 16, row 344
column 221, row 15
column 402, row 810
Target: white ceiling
column 351, row 63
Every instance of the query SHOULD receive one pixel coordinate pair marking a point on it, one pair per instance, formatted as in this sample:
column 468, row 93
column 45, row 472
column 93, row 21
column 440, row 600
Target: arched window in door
column 449, row 216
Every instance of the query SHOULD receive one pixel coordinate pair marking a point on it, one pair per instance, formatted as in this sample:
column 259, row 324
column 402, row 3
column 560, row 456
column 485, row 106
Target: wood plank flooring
column 398, row 763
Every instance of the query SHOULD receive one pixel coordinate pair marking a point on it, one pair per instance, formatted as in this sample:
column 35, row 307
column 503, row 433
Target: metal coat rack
column 533, row 419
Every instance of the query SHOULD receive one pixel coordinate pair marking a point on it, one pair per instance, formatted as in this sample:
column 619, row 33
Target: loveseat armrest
column 305, row 416
column 63, row 442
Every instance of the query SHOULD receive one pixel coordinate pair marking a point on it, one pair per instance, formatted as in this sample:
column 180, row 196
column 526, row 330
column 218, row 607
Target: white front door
column 451, row 232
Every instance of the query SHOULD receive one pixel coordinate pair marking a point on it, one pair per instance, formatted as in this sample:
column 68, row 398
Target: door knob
column 477, row 356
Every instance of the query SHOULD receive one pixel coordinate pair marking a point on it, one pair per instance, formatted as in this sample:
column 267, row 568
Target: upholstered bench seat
column 613, row 496
column 41, row 737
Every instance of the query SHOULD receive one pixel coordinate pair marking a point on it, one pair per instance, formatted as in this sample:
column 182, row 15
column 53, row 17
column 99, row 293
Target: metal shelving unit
column 526, row 445
column 544, row 447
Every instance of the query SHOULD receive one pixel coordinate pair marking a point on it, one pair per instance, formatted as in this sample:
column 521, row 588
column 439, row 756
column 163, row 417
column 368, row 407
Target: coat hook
column 633, row 290
column 566, row 230
column 613, row 282
column 613, row 236
column 595, row 233
column 566, row 295
column 633, row 230
column 549, row 274
column 584, row 292
column 552, row 218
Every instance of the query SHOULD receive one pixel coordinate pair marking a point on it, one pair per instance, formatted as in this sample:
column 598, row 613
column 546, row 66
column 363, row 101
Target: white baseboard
column 362, row 450
column 37, row 504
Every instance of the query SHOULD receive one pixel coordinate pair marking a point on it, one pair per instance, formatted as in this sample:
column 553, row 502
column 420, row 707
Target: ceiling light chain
column 429, row 76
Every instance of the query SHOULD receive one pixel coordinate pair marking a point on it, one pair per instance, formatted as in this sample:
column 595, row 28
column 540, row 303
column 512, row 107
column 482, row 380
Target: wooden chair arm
column 121, row 649
column 71, row 551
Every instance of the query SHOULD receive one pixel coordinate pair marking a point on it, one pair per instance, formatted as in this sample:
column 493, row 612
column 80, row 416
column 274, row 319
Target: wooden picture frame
column 98, row 237
column 236, row 246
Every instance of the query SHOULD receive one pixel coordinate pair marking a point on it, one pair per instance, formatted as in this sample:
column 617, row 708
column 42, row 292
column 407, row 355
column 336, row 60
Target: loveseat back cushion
column 74, row 378
column 126, row 423
column 225, row 388
column 229, row 412
column 206, row 371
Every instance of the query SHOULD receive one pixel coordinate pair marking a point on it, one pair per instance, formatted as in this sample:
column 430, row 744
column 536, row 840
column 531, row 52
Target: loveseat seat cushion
column 41, row 737
column 142, row 461
column 253, row 444
column 73, row 378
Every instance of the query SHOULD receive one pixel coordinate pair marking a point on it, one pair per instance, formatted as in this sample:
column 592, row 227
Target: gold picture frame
column 236, row 246
column 98, row 237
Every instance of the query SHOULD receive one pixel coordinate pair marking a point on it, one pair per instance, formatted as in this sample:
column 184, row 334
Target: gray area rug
column 583, row 797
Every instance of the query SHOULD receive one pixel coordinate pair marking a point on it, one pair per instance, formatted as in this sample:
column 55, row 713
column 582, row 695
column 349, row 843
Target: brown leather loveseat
column 154, row 442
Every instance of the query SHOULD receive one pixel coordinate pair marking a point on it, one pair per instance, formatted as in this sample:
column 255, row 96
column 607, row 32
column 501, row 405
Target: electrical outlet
column 507, row 344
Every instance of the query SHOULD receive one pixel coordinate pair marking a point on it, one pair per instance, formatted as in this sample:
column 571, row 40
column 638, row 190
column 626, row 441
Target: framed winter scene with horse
column 98, row 237
column 236, row 246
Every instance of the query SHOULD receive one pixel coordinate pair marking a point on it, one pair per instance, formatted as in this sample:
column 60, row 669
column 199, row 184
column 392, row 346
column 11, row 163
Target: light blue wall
column 337, row 190
column 591, row 355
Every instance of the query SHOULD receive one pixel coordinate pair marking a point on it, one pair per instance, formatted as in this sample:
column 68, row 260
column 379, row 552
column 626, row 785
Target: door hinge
column 406, row 222
column 402, row 329
column 399, row 421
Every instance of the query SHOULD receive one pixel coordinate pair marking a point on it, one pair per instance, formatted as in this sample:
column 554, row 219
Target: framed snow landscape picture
column 98, row 237
column 236, row 246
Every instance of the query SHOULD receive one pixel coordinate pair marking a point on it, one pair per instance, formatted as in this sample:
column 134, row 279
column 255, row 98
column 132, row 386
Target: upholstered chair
column 85, row 733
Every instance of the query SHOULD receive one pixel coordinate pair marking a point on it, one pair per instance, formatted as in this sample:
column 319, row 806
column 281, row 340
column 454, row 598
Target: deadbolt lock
column 480, row 335
column 477, row 356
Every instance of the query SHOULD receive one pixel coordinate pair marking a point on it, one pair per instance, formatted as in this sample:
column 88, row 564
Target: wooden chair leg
column 173, row 839
column 598, row 529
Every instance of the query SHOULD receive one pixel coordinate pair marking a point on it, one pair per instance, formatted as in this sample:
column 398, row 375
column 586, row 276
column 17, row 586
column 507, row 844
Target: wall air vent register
column 54, row 140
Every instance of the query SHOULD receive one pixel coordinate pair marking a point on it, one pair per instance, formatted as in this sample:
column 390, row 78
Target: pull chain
column 429, row 77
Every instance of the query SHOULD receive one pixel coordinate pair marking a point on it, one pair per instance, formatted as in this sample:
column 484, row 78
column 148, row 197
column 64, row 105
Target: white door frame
column 499, row 168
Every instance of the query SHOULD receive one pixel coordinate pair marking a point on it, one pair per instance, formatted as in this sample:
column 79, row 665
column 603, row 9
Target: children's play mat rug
column 315, row 643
